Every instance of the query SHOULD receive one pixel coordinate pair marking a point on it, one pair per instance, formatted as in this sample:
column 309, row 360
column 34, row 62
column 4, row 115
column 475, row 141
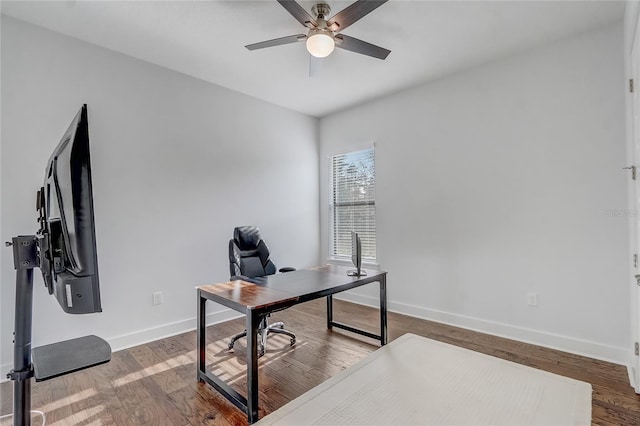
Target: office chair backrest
column 248, row 254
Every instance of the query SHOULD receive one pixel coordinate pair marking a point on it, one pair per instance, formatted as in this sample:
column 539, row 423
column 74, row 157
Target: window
column 352, row 203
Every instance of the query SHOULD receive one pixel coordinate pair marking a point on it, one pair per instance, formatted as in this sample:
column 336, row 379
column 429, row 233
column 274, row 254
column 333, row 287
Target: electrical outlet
column 532, row 299
column 157, row 298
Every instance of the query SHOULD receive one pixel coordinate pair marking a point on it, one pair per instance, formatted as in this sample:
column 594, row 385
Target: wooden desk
column 274, row 293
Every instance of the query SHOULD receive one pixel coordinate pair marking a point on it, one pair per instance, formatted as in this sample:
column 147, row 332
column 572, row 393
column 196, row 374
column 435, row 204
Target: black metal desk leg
column 329, row 311
column 252, row 365
column 201, row 335
column 383, row 310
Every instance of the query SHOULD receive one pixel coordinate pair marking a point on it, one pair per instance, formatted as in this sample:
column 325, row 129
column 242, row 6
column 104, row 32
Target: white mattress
column 419, row 381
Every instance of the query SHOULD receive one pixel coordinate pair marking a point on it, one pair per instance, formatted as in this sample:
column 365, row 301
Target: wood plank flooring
column 155, row 384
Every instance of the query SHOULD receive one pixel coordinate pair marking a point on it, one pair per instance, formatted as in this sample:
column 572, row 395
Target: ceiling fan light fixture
column 320, row 44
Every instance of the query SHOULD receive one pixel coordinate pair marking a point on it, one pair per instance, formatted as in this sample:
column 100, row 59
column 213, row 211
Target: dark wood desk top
column 242, row 295
column 283, row 290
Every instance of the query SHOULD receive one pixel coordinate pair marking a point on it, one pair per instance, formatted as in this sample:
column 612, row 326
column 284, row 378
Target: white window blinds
column 352, row 203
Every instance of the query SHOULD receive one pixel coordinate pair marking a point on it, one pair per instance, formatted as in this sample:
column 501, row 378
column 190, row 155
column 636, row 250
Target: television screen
column 68, row 257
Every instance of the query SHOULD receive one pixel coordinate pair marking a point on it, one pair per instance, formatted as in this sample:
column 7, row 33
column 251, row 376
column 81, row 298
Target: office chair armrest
column 286, row 269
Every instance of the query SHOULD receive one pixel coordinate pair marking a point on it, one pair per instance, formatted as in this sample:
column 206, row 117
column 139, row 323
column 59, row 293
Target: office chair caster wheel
column 293, row 342
column 230, row 346
column 260, row 353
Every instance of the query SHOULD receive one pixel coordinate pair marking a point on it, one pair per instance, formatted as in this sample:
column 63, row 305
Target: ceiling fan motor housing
column 321, row 11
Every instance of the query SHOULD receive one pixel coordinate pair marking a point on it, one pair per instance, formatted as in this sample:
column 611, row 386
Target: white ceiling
column 205, row 39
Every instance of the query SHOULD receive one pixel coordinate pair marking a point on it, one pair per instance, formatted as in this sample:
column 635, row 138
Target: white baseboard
column 617, row 355
column 140, row 337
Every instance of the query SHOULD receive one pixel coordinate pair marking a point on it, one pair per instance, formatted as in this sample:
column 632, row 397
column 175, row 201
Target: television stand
column 49, row 361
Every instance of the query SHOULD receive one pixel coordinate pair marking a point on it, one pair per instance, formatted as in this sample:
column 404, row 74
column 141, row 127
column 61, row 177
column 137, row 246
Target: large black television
column 64, row 248
column 68, row 257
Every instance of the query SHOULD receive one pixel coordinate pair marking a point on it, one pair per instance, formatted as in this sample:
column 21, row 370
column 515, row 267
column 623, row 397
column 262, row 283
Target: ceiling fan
column 325, row 34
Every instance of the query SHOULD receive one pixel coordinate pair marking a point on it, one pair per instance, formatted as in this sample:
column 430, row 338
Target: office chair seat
column 248, row 261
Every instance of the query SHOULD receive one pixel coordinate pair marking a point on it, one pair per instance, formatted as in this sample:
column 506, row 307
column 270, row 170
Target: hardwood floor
column 154, row 384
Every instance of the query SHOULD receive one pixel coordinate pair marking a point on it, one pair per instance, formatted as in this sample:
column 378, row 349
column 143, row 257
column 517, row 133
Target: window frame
column 332, row 211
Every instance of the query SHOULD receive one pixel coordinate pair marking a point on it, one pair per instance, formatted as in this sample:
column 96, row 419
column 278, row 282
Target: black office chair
column 249, row 259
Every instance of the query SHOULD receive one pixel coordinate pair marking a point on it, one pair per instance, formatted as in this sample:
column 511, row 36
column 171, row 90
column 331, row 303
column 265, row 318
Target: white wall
column 177, row 163
column 503, row 180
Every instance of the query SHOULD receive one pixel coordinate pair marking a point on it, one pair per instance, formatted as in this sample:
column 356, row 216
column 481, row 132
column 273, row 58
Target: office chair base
column 263, row 332
column 292, row 337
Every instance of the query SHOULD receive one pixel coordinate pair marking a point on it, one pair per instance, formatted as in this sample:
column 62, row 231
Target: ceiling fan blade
column 277, row 41
column 350, row 14
column 299, row 13
column 315, row 65
column 356, row 45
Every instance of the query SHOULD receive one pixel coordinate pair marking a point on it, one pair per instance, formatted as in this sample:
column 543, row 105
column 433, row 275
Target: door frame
column 632, row 61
